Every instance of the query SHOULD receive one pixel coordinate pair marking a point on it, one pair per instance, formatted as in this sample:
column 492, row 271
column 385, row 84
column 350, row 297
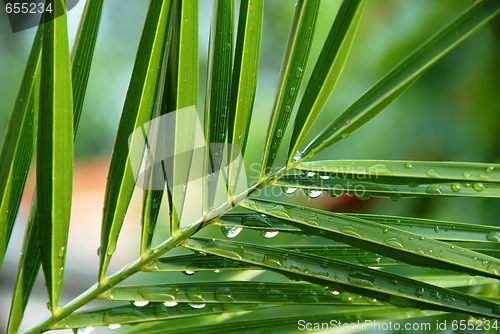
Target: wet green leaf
column 294, row 63
column 327, row 70
column 137, row 110
column 402, row 77
column 341, row 276
column 392, row 242
column 54, row 172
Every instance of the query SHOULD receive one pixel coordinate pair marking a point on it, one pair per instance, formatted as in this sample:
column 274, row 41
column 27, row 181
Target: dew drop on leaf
column 269, row 234
column 478, row 186
column 193, row 305
column 456, row 187
column 493, row 236
column 231, row 231
column 314, row 193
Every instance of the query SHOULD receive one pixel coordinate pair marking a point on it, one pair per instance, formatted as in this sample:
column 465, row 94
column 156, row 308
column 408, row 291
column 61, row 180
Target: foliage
column 342, row 260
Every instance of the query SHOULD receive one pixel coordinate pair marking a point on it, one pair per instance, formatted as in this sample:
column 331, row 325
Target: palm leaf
column 435, row 229
column 54, row 171
column 128, row 314
column 31, row 260
column 137, row 110
column 292, row 70
column 236, row 292
column 327, row 70
column 395, row 178
column 18, row 146
column 392, row 242
column 182, row 94
column 339, row 276
column 401, row 77
column 367, row 317
column 244, row 77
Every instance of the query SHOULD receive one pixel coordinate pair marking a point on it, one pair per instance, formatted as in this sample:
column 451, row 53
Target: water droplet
column 290, row 190
column 385, row 230
column 170, row 304
column 420, row 250
column 493, row 236
column 478, row 186
column 269, row 234
column 189, row 272
column 140, row 303
column 492, row 268
column 335, row 293
column 299, row 72
column 484, row 177
column 485, row 262
column 456, row 187
column 419, row 293
column 378, row 169
column 84, row 330
column 395, row 197
column 114, row 326
column 216, row 271
column 434, row 189
column 99, row 251
column 349, row 230
column 490, row 169
column 408, row 165
column 231, row 231
column 253, row 205
column 193, row 305
column 314, row 193
column 311, row 174
column 467, row 174
column 280, row 211
column 279, row 133
column 474, row 259
column 324, row 264
column 325, row 177
column 361, row 278
column 297, row 156
column 61, row 251
column 436, row 229
column 49, row 306
column 433, row 173
column 272, row 261
column 395, row 242
column 421, row 237
column 314, row 220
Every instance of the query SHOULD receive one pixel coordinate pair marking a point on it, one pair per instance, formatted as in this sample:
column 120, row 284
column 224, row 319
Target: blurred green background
column 451, row 114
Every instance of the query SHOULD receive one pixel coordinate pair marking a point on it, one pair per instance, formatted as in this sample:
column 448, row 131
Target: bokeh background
column 451, row 113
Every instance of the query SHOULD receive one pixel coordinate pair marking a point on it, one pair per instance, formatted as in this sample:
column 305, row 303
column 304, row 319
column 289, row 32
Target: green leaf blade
column 401, row 77
column 137, row 110
column 244, row 79
column 18, row 146
column 392, row 242
column 291, row 74
column 340, row 276
column 55, row 151
column 327, row 70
